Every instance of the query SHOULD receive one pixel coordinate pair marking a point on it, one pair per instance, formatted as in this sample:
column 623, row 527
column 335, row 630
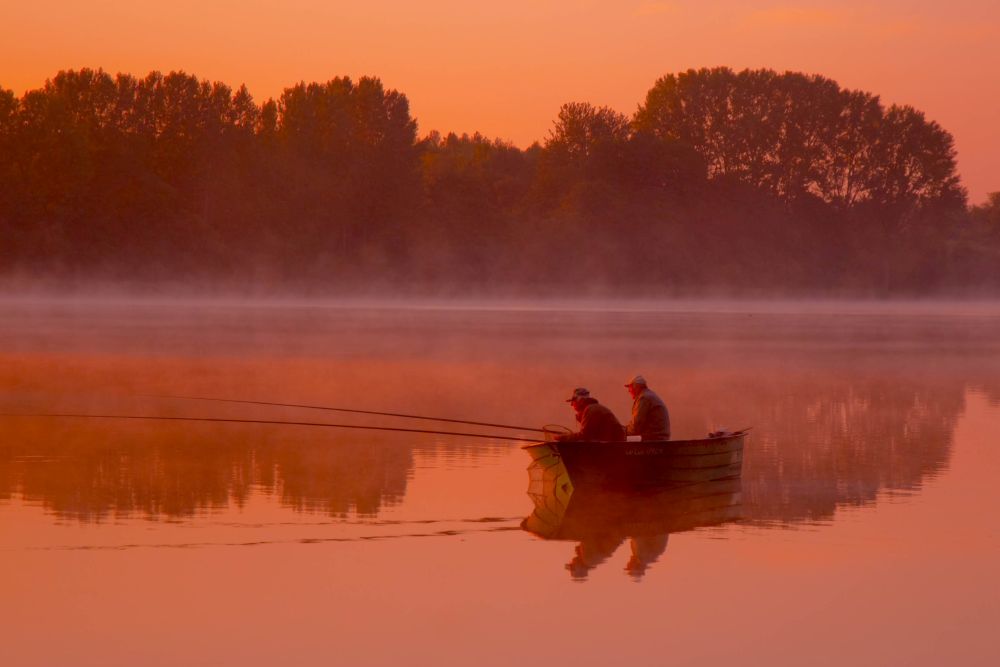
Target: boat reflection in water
column 600, row 520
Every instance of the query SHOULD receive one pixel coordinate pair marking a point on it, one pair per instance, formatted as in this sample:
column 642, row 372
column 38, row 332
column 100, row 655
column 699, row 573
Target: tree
column 476, row 201
column 974, row 253
column 793, row 134
column 584, row 132
column 9, row 186
column 345, row 146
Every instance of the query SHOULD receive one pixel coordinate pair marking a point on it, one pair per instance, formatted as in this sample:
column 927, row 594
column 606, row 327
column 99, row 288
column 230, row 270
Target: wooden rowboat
column 637, row 465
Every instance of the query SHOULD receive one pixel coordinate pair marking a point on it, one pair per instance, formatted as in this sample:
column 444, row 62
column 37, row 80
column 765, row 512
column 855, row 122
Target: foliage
column 722, row 181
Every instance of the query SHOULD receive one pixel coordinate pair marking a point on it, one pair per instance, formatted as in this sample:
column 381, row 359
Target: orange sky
column 505, row 68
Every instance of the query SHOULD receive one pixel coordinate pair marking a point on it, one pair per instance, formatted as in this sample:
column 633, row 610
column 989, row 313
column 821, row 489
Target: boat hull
column 635, row 465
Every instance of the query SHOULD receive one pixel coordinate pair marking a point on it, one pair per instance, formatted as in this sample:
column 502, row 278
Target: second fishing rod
column 348, row 411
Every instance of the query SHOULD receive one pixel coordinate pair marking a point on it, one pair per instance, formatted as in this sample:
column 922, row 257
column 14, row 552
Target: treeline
column 747, row 181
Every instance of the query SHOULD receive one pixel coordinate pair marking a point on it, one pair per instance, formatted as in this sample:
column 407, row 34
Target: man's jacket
column 650, row 418
column 597, row 424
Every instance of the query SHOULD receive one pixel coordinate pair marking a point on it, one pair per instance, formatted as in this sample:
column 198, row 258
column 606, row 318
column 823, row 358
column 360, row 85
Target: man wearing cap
column 650, row 418
column 597, row 423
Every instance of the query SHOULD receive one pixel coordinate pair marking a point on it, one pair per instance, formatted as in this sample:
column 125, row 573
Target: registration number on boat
column 642, row 451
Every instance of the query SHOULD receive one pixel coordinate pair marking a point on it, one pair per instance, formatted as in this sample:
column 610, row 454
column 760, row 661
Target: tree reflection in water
column 842, row 442
column 95, row 471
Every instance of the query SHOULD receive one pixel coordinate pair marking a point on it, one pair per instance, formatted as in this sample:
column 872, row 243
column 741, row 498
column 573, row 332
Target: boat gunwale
column 735, row 435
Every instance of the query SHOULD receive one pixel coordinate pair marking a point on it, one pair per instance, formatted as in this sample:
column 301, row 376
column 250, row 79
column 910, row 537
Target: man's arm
column 640, row 412
column 575, row 435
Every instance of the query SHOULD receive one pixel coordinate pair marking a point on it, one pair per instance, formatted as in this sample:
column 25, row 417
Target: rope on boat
column 349, row 410
column 265, row 421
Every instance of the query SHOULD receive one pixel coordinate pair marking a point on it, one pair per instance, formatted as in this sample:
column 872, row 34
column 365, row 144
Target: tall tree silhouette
column 345, row 147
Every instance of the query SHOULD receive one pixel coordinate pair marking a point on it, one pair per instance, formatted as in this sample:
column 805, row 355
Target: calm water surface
column 864, row 530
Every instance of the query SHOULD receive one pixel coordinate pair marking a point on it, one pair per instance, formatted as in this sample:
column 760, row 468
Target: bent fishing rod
column 347, row 410
column 67, row 415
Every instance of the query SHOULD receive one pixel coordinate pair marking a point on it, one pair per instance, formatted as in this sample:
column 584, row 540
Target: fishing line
column 265, row 421
column 347, row 410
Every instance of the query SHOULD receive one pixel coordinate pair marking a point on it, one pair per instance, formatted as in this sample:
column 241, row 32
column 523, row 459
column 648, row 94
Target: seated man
column 597, row 423
column 650, row 418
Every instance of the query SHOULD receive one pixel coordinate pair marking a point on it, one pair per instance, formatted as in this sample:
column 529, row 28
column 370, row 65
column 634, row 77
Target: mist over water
column 863, row 494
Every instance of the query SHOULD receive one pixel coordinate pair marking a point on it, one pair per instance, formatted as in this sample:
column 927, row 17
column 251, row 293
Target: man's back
column 650, row 418
column 600, row 424
column 597, row 424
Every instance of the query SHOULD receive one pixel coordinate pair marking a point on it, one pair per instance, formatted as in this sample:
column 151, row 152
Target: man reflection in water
column 595, row 549
column 597, row 423
column 645, row 550
column 591, row 552
column 650, row 418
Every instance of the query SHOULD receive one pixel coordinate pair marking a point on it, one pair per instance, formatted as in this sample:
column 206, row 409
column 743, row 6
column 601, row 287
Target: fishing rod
column 65, row 415
column 348, row 410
